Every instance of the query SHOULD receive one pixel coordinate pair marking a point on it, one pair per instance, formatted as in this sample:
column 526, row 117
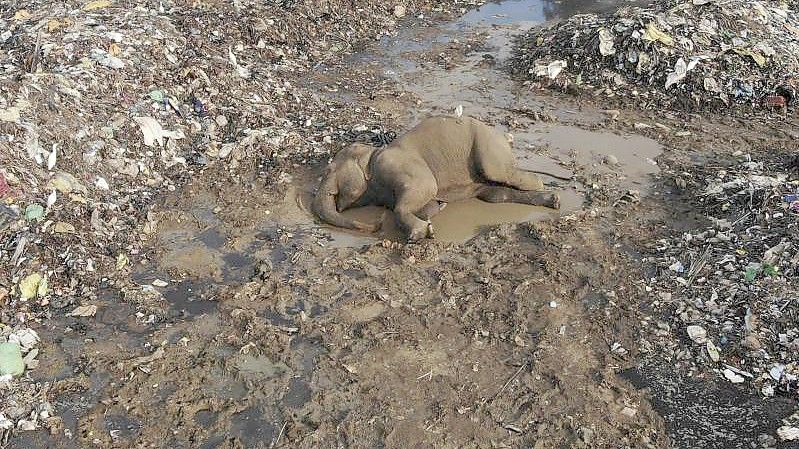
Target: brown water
column 458, row 222
column 627, row 159
column 595, row 152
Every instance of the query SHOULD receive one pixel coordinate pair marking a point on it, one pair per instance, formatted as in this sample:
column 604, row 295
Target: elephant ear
column 362, row 155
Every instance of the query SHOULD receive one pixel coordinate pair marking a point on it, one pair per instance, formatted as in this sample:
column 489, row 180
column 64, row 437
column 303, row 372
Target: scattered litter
column 788, row 433
column 11, row 359
column 106, row 106
column 738, row 285
column 105, row 59
column 158, row 354
column 34, row 212
column 96, row 4
column 697, row 333
column 154, row 133
column 732, row 376
column 32, row 285
column 84, row 311
column 629, row 412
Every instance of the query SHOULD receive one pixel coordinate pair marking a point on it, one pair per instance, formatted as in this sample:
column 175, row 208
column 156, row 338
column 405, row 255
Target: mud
column 275, row 331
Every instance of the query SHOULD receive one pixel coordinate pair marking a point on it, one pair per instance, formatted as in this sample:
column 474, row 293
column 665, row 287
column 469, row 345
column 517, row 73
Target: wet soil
column 254, row 326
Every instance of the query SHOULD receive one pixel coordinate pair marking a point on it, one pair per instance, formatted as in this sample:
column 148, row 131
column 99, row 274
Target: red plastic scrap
column 775, row 101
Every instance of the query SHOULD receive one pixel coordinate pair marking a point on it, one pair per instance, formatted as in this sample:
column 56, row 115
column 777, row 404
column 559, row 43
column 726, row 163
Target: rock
column 611, row 160
column 11, row 359
column 400, row 11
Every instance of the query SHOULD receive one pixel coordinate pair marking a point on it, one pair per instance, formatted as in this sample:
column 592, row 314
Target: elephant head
column 346, row 180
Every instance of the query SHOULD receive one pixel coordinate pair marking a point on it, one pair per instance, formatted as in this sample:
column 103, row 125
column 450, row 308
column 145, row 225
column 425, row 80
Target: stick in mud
column 514, row 376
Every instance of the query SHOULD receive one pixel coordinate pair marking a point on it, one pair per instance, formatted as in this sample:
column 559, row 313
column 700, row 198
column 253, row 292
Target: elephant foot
column 368, row 227
column 554, row 201
column 423, row 230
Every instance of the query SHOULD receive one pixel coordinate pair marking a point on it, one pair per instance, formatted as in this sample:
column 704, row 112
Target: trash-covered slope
column 700, row 54
column 105, row 103
column 731, row 287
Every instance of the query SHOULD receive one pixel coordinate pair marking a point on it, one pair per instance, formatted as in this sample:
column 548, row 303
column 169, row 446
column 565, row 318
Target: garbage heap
column 683, row 55
column 728, row 292
column 105, row 104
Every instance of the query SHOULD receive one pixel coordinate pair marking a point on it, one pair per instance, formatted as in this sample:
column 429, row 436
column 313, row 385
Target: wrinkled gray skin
column 442, row 159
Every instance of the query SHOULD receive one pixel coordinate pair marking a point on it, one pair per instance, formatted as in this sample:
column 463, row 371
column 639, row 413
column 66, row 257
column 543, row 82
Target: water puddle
column 631, row 158
column 463, row 220
column 510, row 12
column 206, row 252
column 259, row 367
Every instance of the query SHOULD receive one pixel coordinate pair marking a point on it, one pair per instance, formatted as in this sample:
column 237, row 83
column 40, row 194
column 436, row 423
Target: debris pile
column 728, row 292
column 699, row 54
column 106, row 104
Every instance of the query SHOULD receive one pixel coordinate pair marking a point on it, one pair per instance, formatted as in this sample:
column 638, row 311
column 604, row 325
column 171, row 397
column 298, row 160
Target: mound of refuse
column 105, row 105
column 687, row 55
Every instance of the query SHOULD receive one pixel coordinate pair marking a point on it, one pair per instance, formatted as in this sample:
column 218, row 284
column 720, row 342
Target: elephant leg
column 410, row 204
column 502, row 194
column 495, row 161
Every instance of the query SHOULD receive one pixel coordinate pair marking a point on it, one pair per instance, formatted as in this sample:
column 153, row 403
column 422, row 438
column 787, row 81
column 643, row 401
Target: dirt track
column 278, row 332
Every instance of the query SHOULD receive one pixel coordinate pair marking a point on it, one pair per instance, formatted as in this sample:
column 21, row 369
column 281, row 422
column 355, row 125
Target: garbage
column 4, row 188
column 712, row 351
column 32, row 285
column 732, row 376
column 737, row 278
column 104, row 109
column 788, row 433
column 154, row 133
column 11, row 359
column 34, row 212
column 697, row 333
column 84, row 311
column 677, row 54
column 26, row 338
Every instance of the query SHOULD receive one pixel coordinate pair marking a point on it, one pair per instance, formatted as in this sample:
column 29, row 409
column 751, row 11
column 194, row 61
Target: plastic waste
column 11, row 359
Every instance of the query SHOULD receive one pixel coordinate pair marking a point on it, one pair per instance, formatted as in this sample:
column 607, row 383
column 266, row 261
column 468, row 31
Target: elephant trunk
column 324, row 205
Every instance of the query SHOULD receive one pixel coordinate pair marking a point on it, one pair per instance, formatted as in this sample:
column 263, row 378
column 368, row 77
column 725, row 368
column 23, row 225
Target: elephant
column 443, row 159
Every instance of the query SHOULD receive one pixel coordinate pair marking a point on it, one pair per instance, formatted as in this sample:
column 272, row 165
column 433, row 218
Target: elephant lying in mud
column 442, row 159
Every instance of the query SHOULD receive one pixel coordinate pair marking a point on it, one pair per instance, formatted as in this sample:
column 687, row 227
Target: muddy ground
column 516, row 328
